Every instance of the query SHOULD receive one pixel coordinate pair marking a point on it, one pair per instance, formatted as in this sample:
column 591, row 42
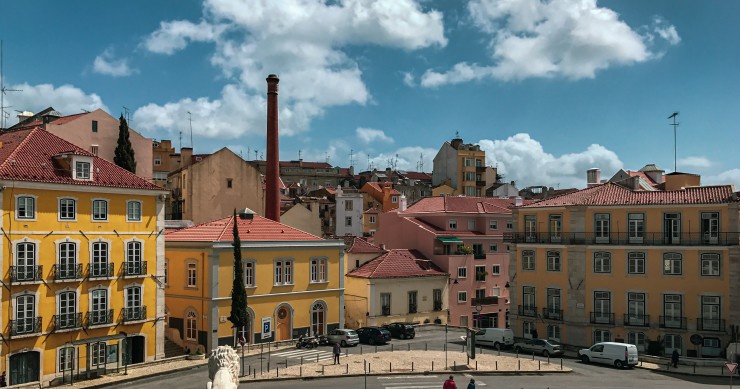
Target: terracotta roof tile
column 398, row 263
column 362, row 246
column 68, row 118
column 461, row 204
column 257, row 229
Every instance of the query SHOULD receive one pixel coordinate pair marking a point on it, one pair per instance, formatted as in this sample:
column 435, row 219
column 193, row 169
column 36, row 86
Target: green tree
column 239, row 317
column 124, row 157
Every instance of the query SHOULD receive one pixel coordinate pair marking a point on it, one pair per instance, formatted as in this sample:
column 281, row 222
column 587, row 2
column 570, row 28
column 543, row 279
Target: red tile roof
column 362, row 246
column 398, row 263
column 304, row 164
column 614, row 194
column 378, row 187
column 257, row 229
column 69, row 118
column 421, row 176
column 373, row 210
column 461, row 204
column 28, row 155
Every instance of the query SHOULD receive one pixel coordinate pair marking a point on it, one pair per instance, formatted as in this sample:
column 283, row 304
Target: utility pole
column 675, row 125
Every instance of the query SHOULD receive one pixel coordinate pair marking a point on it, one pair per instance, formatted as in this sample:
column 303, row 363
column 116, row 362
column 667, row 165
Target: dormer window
column 82, row 170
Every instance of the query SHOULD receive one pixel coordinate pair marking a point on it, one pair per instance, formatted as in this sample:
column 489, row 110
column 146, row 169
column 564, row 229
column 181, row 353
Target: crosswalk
column 423, row 381
column 307, row 355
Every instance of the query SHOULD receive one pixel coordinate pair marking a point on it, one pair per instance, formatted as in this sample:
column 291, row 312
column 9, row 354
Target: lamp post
column 478, row 308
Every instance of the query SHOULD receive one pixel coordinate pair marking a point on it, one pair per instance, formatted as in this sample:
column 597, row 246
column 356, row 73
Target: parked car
column 540, row 346
column 345, row 337
column 401, row 330
column 611, row 353
column 373, row 335
column 496, row 337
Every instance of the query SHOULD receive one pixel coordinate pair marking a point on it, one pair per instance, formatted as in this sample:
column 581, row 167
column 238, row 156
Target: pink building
column 464, row 237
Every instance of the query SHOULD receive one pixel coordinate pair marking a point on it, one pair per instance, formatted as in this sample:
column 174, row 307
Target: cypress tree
column 124, row 157
column 239, row 317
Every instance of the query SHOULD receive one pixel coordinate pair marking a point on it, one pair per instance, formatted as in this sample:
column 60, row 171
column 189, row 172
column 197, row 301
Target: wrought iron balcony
column 527, row 310
column 100, row 270
column 385, row 311
column 25, row 273
column 602, row 318
column 134, row 268
column 624, row 238
column 134, row 314
column 490, row 300
column 437, row 305
column 705, row 324
column 677, row 322
column 552, row 314
column 99, row 318
column 479, row 255
column 636, row 320
column 26, row 326
column 67, row 321
column 66, row 271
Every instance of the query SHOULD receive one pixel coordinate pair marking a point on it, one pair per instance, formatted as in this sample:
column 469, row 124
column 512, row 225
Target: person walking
column 337, row 351
column 674, row 357
column 3, row 380
column 449, row 384
column 471, row 385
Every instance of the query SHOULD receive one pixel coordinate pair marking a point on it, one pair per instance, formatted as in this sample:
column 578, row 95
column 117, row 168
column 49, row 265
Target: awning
column 449, row 239
column 98, row 339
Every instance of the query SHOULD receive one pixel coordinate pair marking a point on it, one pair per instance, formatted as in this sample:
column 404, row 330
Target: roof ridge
column 25, row 140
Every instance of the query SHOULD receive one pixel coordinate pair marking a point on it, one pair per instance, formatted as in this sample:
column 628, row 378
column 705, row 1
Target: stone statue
column 223, row 368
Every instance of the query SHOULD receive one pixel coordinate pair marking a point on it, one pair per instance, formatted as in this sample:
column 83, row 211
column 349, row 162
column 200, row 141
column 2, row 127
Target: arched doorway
column 24, row 367
column 283, row 323
column 318, row 318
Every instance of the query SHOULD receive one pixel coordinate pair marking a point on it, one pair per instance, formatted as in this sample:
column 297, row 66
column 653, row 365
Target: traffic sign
column 731, row 367
column 266, row 327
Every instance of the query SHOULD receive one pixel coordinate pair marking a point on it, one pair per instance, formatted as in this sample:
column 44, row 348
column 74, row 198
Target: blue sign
column 266, row 327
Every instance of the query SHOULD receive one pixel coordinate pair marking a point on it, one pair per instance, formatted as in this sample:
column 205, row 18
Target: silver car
column 345, row 337
column 539, row 346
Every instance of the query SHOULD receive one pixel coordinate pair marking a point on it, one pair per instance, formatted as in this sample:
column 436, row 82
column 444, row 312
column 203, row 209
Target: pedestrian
column 3, row 380
column 471, row 385
column 449, row 384
column 674, row 358
column 337, row 351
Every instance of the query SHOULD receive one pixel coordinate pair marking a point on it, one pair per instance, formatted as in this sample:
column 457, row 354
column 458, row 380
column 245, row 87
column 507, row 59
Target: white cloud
column 725, row 178
column 66, row 99
column 408, row 79
column 558, row 38
column 107, row 64
column 694, row 163
column 174, row 36
column 370, row 135
column 522, row 159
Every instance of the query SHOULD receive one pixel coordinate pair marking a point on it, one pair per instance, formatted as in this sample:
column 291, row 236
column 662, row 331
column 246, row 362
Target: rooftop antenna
column 351, row 157
column 421, row 162
column 675, row 125
column 190, row 119
column 127, row 115
column 457, row 134
column 255, row 155
column 3, row 90
column 368, row 162
column 327, row 156
column 299, row 155
column 180, row 140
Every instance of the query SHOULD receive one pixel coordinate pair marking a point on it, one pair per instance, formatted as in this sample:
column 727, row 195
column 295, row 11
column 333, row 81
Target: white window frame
column 462, row 296
column 554, row 262
column 496, row 292
column 98, row 354
column 496, row 269
column 394, row 199
column 528, row 260
column 66, row 359
column 602, row 262
column 132, row 213
column 348, row 205
column 672, row 264
column 711, row 265
column 638, row 339
column 319, row 270
column 26, row 199
column 452, row 224
column 191, row 325
column 636, row 258
column 94, row 211
column 83, row 170
column 191, row 275
column 493, row 224
column 157, row 161
column 553, row 332
column 493, row 247
column 63, row 212
column 371, row 219
column 602, row 336
column 348, row 221
column 283, row 271
column 250, row 274
column 462, row 272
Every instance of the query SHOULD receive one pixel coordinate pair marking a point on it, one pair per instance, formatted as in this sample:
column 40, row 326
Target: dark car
column 373, row 335
column 401, row 330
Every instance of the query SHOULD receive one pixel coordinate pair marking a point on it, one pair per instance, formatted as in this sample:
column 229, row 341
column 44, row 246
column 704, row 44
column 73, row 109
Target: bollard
column 425, row 347
column 695, row 368
column 277, row 372
column 412, row 365
column 391, row 347
column 476, row 365
column 548, row 358
column 539, row 365
column 286, row 363
column 254, row 374
column 390, row 367
column 517, row 353
column 322, row 369
column 368, row 367
column 268, row 366
column 409, row 346
column 561, row 363
column 317, row 358
column 300, row 371
column 519, row 367
column 301, row 360
column 496, row 365
column 432, row 365
column 346, row 368
column 533, row 355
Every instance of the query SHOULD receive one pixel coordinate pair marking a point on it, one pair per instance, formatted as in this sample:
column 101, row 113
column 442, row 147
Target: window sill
column 37, row 282
column 191, row 287
column 66, row 220
column 67, row 280
column 135, row 276
column 101, row 326
column 318, row 282
column 283, row 284
column 23, row 336
column 68, row 329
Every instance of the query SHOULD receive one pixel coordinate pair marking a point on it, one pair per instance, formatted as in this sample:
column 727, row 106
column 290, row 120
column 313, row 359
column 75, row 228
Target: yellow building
column 81, row 253
column 462, row 166
column 654, row 267
column 294, row 282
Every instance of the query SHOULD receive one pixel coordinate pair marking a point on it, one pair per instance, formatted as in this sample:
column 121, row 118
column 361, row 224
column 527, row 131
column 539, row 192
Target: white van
column 496, row 337
column 610, row 353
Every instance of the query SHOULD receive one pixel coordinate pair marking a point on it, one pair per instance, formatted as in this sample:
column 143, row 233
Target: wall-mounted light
column 507, row 286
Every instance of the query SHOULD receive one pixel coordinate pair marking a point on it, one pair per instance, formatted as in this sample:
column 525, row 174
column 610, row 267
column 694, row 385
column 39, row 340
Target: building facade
column 82, row 259
column 656, row 268
column 307, row 176
column 349, row 212
column 463, row 167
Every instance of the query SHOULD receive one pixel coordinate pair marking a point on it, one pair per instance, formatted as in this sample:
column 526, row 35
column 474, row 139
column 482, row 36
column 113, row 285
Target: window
column 191, row 326
column 496, row 270
column 527, row 329
column 528, row 301
column 469, row 176
column 635, row 227
column 94, row 149
column 157, row 161
column 229, row 183
column 710, row 264
column 480, row 273
column 66, row 359
column 553, row 332
column 528, row 260
column 672, row 228
column 25, row 262
column 602, row 262
column 97, row 353
column 385, row 304
column 480, row 293
column 192, row 275
column 636, row 263
column 553, row 304
column 67, row 265
column 452, row 224
column 672, row 264
column 553, row 261
column 496, row 292
column 493, row 224
column 710, row 227
column 469, row 162
column 25, row 314
column 412, row 301
column 638, row 339
column 82, row 170
column 672, row 311
column 556, row 227
column 100, row 210
column 603, row 308
column 462, row 272
column 710, row 314
column 530, row 228
column 133, row 264
column 394, row 199
column 471, row 225
column 67, row 209
column 160, row 175
column 318, row 319
column 67, row 310
column 601, row 227
column 602, row 336
column 437, row 299
column 672, row 341
column 493, row 247
column 469, row 191
column 348, row 204
column 249, row 273
column 25, row 207
column 509, row 225
column 348, row 221
column 94, row 126
column 99, row 309
column 318, row 270
column 283, row 272
column 636, row 309
column 462, row 297
column 133, row 211
column 133, row 310
column 372, row 219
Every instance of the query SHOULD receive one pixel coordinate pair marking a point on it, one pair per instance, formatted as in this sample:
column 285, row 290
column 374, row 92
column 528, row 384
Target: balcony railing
column 490, row 300
column 636, row 320
column 134, row 314
column 437, row 305
column 100, row 270
column 623, row 238
column 67, row 321
column 412, row 308
column 705, row 324
column 385, row 311
column 27, row 326
column 480, row 183
column 527, row 310
column 602, row 318
column 66, row 271
column 677, row 322
column 99, row 318
column 479, row 255
column 552, row 314
column 25, row 273
column 134, row 268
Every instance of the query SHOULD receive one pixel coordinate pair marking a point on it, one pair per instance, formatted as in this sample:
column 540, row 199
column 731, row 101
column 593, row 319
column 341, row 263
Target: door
column 67, row 260
column 99, row 312
column 672, row 310
column 136, row 349
column 25, row 313
column 26, row 261
column 24, row 367
column 672, row 228
column 672, row 342
column 556, row 225
column 710, row 227
column 282, row 325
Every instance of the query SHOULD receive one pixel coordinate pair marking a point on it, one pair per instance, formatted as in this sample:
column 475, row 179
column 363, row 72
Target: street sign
column 731, row 367
column 266, row 327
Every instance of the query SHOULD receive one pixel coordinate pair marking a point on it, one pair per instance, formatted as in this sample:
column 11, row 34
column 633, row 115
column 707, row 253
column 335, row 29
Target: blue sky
column 548, row 89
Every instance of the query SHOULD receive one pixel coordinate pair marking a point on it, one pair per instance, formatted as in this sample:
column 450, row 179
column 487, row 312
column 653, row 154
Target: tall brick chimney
column 272, row 194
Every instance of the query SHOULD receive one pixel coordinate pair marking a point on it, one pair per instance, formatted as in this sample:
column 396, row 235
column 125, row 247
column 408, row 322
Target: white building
column 349, row 213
